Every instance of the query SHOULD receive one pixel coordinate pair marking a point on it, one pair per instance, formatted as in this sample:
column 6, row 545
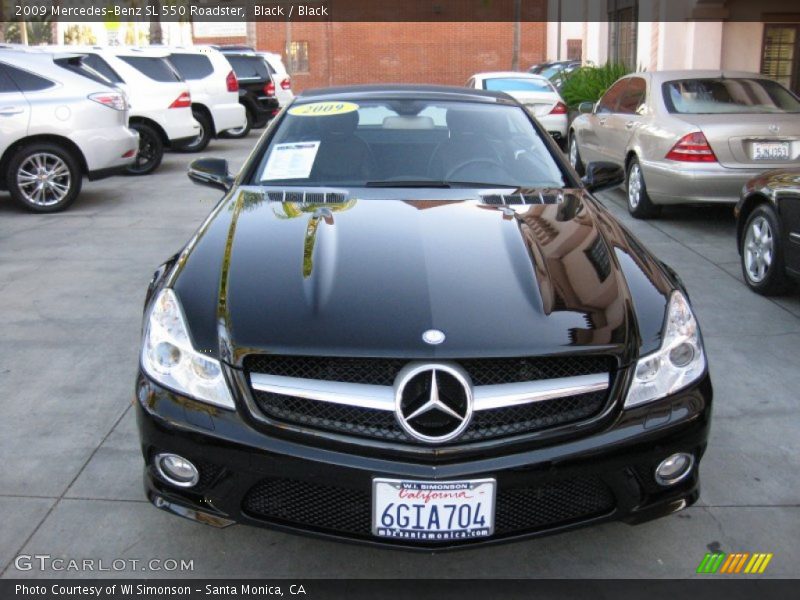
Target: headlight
column 678, row 362
column 169, row 358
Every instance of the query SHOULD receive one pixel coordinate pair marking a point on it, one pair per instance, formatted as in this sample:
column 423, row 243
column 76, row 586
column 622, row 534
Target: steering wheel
column 471, row 162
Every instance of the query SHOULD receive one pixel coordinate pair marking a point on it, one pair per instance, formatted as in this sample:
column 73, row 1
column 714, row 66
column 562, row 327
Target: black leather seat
column 473, row 136
column 342, row 154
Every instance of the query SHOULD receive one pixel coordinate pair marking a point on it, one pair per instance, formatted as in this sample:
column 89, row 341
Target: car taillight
column 113, row 100
column 232, row 82
column 269, row 89
column 286, row 84
column 559, row 109
column 693, row 147
column 182, row 101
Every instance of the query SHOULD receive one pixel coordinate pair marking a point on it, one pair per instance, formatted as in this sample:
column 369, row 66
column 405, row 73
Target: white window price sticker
column 290, row 161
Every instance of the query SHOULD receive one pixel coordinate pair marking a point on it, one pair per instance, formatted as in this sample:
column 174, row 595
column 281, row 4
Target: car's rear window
column 517, row 84
column 154, row 67
column 728, row 96
column 192, row 66
column 402, row 143
column 101, row 66
column 249, row 67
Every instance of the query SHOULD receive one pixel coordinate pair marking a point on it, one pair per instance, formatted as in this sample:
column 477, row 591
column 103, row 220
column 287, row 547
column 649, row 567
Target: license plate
column 771, row 151
column 433, row 511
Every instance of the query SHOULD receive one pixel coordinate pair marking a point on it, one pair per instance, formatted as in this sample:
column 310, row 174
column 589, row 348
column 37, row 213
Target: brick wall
column 440, row 53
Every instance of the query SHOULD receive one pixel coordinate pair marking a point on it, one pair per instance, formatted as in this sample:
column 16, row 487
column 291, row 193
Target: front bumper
column 671, row 182
column 250, row 477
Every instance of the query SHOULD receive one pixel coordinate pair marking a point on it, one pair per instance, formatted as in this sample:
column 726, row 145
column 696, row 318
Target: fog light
column 674, row 468
column 177, row 470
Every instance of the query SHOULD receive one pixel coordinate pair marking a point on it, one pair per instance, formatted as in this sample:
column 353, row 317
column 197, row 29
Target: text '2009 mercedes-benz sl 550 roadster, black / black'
column 409, row 323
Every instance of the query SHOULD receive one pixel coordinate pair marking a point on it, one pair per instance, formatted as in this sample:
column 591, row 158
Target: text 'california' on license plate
column 433, row 511
column 770, row 150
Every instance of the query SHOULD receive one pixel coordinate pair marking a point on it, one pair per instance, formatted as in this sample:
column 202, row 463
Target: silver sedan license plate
column 433, row 511
column 770, row 150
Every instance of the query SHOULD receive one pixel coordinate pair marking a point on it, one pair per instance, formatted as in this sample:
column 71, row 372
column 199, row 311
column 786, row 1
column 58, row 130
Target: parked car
column 214, row 89
column 451, row 343
column 160, row 102
column 688, row 136
column 553, row 69
column 257, row 90
column 768, row 231
column 57, row 126
column 534, row 92
column 280, row 77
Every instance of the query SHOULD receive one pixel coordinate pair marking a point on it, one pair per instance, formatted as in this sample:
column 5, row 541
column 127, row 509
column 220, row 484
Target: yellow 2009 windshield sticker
column 323, row 109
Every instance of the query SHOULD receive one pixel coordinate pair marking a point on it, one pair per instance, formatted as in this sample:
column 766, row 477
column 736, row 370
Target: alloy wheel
column 758, row 249
column 44, row 179
column 146, row 154
column 634, row 186
column 573, row 153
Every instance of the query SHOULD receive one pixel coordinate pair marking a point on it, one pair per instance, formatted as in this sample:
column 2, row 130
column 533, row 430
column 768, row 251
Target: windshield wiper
column 408, row 183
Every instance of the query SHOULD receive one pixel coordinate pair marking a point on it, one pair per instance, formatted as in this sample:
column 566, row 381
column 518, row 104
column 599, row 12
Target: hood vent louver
column 523, row 197
column 307, row 197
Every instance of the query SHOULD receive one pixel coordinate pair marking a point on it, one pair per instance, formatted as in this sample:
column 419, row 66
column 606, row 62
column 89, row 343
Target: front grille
column 347, row 511
column 379, row 424
column 383, row 371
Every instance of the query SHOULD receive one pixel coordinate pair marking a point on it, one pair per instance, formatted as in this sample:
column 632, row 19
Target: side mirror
column 586, row 108
column 602, row 175
column 212, row 172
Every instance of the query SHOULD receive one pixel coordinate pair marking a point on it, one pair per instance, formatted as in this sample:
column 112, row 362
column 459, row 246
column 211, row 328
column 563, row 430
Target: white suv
column 160, row 102
column 214, row 89
column 58, row 124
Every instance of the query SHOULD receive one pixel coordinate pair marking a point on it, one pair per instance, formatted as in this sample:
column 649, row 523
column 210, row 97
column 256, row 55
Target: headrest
column 343, row 124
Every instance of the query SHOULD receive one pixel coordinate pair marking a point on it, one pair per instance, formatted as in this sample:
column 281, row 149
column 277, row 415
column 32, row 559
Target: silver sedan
column 688, row 136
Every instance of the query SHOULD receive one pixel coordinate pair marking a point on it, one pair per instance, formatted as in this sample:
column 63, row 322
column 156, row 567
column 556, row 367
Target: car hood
column 366, row 277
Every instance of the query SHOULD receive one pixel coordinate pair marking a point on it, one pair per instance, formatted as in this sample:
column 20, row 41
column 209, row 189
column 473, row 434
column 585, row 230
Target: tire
column 241, row 132
column 574, row 155
column 44, row 177
column 199, row 143
column 151, row 150
column 763, row 266
column 639, row 204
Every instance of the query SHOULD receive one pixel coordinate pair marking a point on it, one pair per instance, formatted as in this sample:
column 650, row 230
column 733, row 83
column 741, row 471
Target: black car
column 555, row 71
column 768, row 231
column 256, row 88
column 409, row 323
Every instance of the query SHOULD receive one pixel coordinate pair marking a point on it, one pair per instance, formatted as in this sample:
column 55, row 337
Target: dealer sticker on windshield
column 290, row 161
column 433, row 511
column 323, row 109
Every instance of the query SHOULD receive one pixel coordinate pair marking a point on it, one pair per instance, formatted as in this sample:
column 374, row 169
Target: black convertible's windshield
column 407, row 143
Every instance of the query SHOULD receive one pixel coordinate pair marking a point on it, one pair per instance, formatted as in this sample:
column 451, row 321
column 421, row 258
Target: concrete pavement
column 71, row 292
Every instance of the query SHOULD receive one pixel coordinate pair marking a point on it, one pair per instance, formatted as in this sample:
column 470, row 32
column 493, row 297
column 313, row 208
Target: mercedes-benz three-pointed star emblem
column 433, row 401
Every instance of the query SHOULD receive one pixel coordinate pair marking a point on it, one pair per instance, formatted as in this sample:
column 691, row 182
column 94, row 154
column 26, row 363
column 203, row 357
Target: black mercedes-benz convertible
column 408, row 322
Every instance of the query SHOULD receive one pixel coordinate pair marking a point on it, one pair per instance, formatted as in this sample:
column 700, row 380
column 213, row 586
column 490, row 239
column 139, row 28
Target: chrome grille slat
column 356, row 396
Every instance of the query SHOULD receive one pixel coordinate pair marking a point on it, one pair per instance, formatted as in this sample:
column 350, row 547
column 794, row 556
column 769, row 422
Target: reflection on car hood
column 366, row 277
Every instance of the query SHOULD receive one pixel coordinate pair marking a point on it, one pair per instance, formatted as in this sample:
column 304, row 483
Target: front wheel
column 43, row 177
column 762, row 254
column 639, row 203
column 151, row 150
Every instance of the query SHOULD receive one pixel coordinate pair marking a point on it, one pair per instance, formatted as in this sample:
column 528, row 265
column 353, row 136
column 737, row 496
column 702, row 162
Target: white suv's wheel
column 44, row 177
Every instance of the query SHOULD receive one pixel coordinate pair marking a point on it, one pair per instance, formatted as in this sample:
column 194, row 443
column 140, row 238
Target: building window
column 780, row 58
column 574, row 49
column 622, row 27
column 298, row 57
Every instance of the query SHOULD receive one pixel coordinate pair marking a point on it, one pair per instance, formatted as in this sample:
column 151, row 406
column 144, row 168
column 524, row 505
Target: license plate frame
column 482, row 503
column 766, row 151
